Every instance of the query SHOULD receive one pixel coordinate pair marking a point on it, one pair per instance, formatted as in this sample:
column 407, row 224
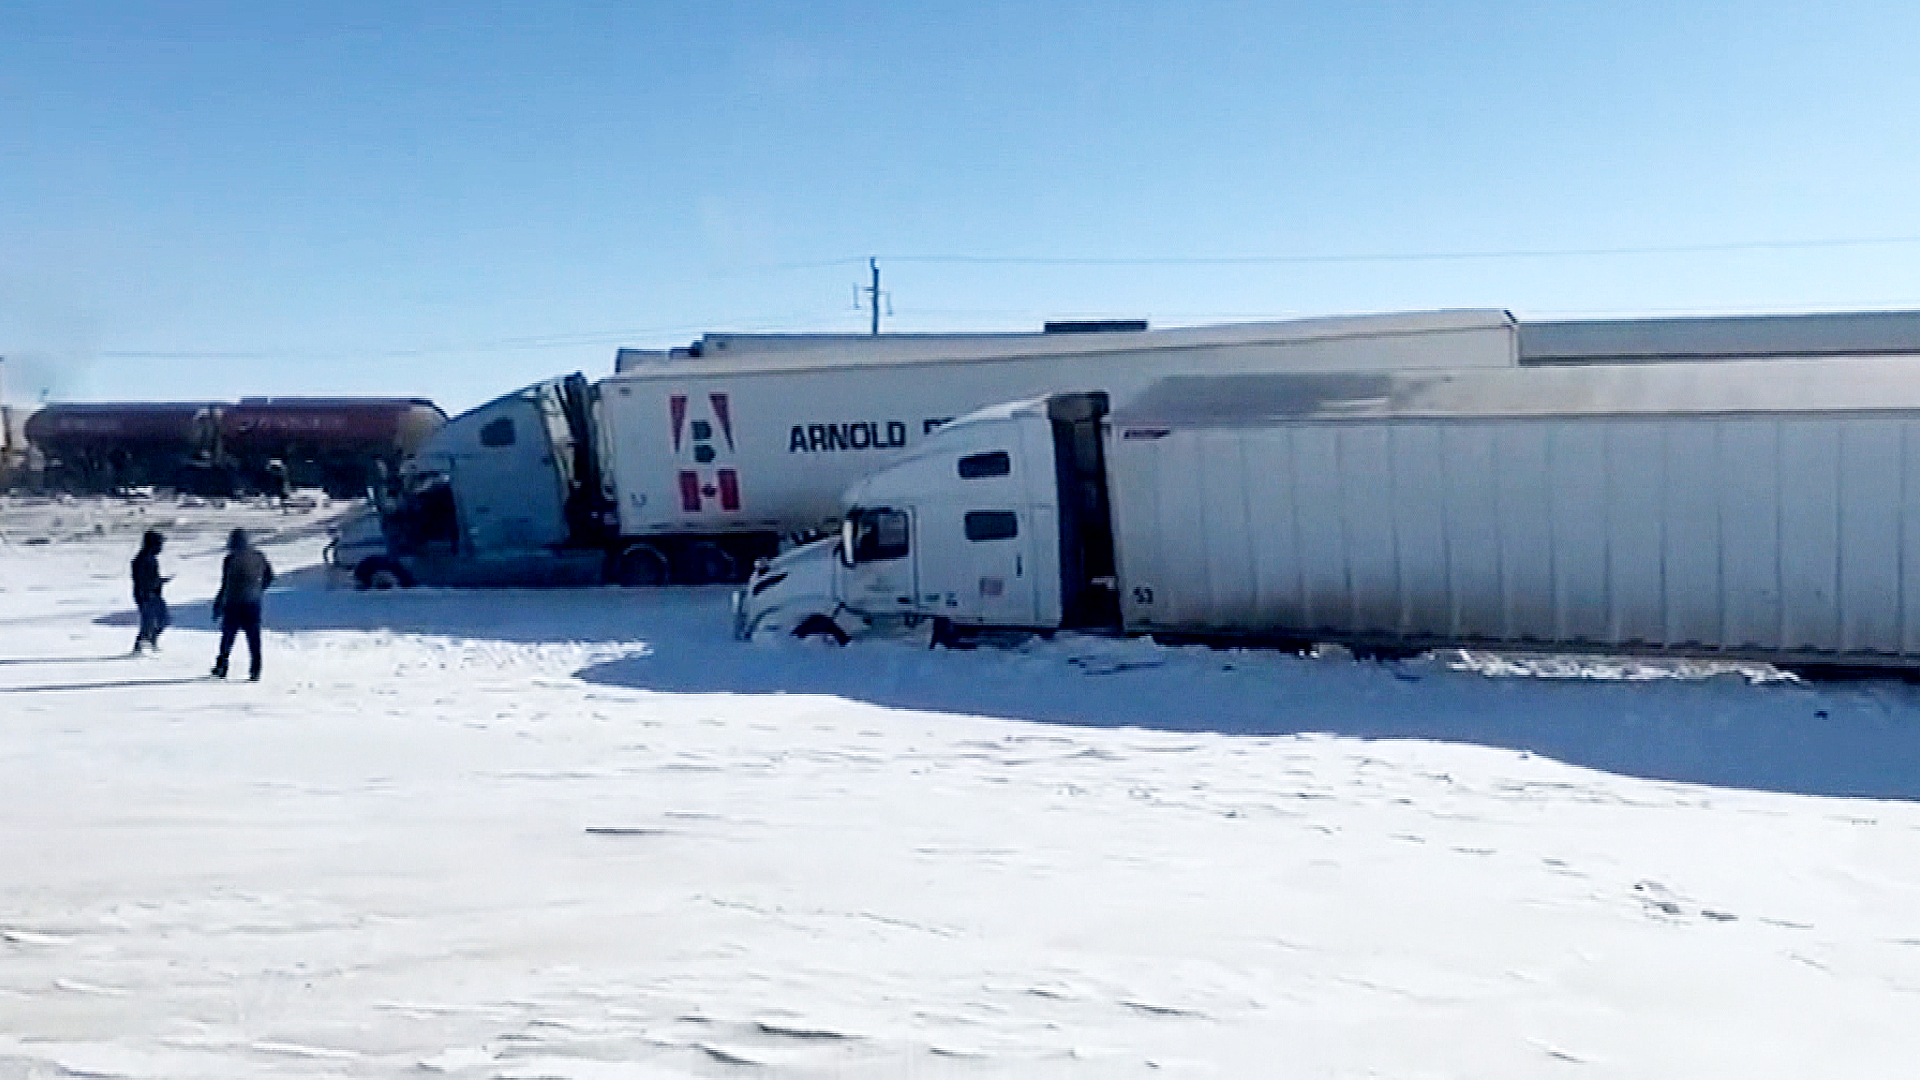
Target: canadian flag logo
column 700, row 440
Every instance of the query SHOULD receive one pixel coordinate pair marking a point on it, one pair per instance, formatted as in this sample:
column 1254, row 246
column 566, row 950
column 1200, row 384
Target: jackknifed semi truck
column 1756, row 509
column 686, row 466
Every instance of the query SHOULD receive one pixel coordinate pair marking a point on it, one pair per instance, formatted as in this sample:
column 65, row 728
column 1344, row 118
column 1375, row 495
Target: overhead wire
column 565, row 339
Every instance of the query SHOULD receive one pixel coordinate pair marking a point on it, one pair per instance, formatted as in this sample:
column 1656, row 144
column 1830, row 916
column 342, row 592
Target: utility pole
column 873, row 294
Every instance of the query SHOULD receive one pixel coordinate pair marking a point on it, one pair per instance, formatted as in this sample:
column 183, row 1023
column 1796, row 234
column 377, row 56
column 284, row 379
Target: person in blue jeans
column 147, row 586
column 244, row 577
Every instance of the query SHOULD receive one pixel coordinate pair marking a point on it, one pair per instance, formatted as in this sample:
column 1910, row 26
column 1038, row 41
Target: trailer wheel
column 707, row 563
column 1383, row 654
column 380, row 572
column 819, row 626
column 639, row 567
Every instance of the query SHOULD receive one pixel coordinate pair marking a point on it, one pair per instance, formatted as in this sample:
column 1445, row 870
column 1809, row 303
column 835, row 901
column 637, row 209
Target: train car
column 261, row 445
column 100, row 447
column 341, row 444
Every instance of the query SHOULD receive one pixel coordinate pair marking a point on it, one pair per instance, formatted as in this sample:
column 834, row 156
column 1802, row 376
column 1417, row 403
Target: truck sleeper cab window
column 992, row 525
column 498, row 433
column 977, row 466
column 878, row 535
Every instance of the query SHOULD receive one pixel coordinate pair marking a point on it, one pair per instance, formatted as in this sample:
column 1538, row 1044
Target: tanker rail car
column 261, row 445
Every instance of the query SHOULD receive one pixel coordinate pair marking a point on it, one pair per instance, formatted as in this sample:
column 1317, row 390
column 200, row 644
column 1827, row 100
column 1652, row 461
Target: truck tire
column 946, row 635
column 707, row 563
column 819, row 626
column 1383, row 654
column 380, row 572
column 640, row 566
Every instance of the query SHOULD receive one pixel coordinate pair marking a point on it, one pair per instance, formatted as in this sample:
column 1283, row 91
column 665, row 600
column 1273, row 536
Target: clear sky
column 211, row 200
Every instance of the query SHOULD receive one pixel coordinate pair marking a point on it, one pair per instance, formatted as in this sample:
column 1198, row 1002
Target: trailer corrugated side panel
column 1783, row 537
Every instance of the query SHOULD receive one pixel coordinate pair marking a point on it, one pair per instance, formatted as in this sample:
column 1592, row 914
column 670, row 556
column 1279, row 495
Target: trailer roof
column 1852, row 333
column 734, row 353
column 1784, row 387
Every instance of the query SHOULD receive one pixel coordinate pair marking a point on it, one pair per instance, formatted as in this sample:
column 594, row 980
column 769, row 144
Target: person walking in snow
column 147, row 584
column 244, row 577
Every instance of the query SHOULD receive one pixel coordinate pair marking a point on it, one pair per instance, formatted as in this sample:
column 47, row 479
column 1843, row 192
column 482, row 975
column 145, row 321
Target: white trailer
column 687, row 466
column 1740, row 509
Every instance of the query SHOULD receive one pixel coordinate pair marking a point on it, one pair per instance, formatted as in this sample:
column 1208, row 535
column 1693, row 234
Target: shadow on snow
column 1851, row 739
column 114, row 684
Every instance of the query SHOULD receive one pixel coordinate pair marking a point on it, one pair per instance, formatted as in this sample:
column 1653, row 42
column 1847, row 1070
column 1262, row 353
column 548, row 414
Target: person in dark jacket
column 147, row 584
column 244, row 578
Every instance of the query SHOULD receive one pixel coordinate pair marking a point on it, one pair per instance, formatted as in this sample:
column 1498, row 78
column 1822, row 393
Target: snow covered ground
column 583, row 834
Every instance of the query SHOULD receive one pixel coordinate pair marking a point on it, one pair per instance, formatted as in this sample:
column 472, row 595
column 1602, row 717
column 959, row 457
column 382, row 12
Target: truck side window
column 992, row 525
column 976, row 466
column 880, row 535
column 498, row 433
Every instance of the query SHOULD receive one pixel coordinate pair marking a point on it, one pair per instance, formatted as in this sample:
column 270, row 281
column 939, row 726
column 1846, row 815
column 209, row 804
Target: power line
column 492, row 345
column 1388, row 257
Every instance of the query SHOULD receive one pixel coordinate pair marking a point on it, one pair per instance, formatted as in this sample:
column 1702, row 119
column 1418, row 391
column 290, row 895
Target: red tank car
column 59, row 429
column 341, row 444
column 103, row 446
column 213, row 448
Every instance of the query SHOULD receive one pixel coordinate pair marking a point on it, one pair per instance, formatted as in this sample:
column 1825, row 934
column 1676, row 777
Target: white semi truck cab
column 999, row 519
column 510, row 493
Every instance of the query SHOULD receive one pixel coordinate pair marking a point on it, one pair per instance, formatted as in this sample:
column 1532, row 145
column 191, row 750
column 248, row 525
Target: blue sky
column 210, row 200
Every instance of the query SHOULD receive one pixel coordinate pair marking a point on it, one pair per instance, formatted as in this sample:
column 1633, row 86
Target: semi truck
column 1746, row 509
column 686, row 466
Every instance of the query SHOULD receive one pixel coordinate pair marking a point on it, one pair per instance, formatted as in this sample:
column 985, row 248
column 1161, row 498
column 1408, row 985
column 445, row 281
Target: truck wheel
column 640, row 567
column 380, row 572
column 945, row 635
column 707, row 563
column 819, row 626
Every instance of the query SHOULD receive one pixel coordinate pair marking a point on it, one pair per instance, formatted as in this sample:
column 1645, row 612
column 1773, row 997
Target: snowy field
column 583, row 834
